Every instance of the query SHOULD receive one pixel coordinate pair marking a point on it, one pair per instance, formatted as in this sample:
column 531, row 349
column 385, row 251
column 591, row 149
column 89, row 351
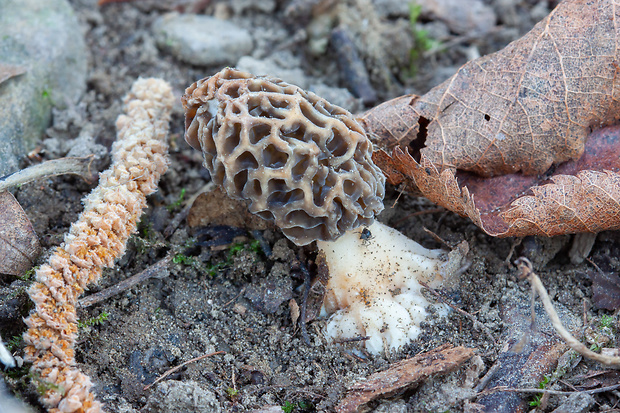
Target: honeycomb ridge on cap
column 302, row 162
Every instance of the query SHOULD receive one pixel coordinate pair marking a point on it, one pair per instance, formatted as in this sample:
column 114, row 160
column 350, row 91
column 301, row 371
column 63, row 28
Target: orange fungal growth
column 112, row 210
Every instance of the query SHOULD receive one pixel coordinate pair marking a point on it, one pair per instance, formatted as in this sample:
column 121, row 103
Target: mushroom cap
column 300, row 161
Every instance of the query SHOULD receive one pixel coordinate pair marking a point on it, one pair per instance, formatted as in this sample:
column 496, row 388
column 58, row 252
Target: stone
column 45, row 38
column 201, row 40
column 180, row 397
column 577, row 402
column 271, row 67
column 338, row 96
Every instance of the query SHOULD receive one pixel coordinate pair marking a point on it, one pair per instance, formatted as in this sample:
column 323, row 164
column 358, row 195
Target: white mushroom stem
column 374, row 287
column 6, row 357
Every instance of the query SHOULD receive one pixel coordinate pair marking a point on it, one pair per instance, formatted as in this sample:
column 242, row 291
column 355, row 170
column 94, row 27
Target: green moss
column 177, row 204
column 537, row 399
column 422, row 41
column 94, row 321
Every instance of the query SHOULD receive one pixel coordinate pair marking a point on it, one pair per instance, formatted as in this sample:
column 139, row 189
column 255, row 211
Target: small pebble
column 576, row 403
column 352, row 67
column 201, row 40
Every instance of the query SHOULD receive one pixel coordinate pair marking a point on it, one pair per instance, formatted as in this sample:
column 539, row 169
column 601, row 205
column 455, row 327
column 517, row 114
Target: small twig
column 61, row 166
column 178, row 218
column 513, row 246
column 185, row 363
column 594, row 265
column 437, row 238
column 352, row 340
column 150, row 272
column 487, row 377
column 474, row 320
column 234, row 298
column 552, row 392
column 525, row 266
column 304, row 304
column 400, row 193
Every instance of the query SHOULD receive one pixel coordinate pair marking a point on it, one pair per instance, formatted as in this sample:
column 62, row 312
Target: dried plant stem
column 95, row 240
column 185, row 363
column 54, row 167
column 525, row 266
column 153, row 271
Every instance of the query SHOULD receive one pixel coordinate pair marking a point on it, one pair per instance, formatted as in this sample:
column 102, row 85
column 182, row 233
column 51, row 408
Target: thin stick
column 178, row 218
column 352, row 340
column 399, row 195
column 234, row 298
column 62, row 166
column 437, row 238
column 185, row 363
column 304, row 304
column 154, row 270
column 514, row 245
column 525, row 266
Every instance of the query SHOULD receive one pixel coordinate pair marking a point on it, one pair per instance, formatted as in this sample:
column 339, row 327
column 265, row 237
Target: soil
column 234, row 297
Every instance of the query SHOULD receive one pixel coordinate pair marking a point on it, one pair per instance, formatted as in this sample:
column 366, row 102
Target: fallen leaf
column 508, row 142
column 403, row 375
column 594, row 379
column 604, row 276
column 19, row 245
column 8, row 71
column 605, row 289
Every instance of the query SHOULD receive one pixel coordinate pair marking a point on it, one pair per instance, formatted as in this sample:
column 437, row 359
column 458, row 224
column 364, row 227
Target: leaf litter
column 508, row 142
column 19, row 244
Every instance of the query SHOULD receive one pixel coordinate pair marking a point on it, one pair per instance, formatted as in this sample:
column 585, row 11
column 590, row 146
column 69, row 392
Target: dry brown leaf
column 19, row 245
column 404, row 375
column 8, row 71
column 597, row 378
column 507, row 140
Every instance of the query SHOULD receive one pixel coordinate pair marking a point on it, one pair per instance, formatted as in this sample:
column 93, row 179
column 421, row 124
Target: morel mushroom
column 302, row 162
column 306, row 165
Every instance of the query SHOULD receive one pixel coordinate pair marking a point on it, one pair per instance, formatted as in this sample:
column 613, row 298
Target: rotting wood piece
column 404, row 375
